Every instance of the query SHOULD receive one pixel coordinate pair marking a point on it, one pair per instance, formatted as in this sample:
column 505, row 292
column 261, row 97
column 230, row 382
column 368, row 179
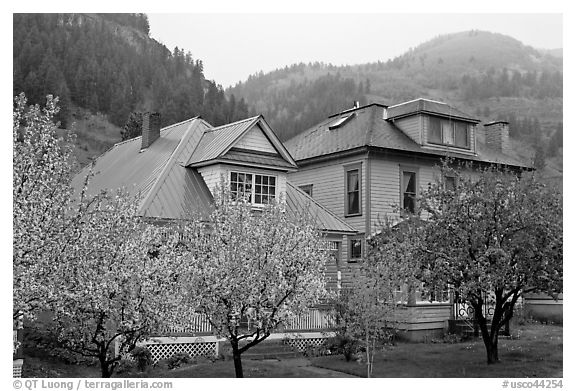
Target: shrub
column 142, row 356
column 177, row 359
column 125, row 366
column 343, row 344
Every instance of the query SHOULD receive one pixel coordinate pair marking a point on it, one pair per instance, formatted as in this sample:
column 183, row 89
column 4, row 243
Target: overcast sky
column 234, row 46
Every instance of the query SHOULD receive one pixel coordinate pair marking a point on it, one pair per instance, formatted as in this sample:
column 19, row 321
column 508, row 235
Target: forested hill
column 490, row 76
column 108, row 64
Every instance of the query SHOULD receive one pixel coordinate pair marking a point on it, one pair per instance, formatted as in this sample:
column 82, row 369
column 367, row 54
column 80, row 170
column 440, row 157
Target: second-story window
column 408, row 190
column 443, row 131
column 353, row 205
column 253, row 188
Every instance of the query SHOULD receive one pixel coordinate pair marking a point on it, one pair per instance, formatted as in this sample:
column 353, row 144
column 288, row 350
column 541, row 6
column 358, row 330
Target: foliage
column 114, row 287
column 142, row 356
column 133, row 127
column 498, row 234
column 177, row 359
column 251, row 270
column 344, row 344
column 107, row 63
column 366, row 312
column 42, row 230
column 125, row 366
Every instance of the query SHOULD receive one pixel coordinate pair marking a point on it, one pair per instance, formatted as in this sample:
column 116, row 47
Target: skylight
column 341, row 121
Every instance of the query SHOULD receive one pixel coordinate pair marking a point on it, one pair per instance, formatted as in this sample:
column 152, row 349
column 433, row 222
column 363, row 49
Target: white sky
column 233, row 46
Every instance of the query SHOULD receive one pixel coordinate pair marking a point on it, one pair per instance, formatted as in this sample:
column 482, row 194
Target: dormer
column 435, row 125
column 249, row 156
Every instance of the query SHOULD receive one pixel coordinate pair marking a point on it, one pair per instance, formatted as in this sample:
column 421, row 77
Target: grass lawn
column 536, row 353
column 36, row 367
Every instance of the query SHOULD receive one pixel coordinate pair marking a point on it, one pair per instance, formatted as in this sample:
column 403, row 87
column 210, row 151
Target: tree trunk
column 492, row 351
column 490, row 339
column 105, row 369
column 237, row 359
column 368, row 369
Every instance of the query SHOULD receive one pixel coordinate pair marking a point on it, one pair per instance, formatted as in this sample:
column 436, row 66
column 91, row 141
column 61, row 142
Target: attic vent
column 341, row 121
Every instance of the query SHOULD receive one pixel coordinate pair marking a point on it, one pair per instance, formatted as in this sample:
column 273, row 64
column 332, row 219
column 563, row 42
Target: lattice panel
column 17, row 370
column 167, row 350
column 301, row 344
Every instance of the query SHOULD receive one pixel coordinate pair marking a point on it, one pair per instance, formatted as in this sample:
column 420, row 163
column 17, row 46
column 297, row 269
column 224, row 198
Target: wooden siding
column 212, row 174
column 328, row 179
column 255, row 140
column 422, row 317
column 385, row 184
column 411, row 126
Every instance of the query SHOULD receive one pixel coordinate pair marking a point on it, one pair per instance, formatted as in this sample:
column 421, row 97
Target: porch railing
column 311, row 319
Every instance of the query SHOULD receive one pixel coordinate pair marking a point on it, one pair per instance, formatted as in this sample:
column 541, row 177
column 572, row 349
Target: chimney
column 497, row 135
column 356, row 104
column 150, row 128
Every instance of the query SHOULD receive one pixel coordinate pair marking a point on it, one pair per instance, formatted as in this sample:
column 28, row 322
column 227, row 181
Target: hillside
column 490, row 76
column 105, row 66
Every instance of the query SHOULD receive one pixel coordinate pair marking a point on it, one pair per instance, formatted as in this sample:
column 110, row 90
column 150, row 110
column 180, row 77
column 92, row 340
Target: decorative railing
column 463, row 310
column 198, row 324
column 312, row 319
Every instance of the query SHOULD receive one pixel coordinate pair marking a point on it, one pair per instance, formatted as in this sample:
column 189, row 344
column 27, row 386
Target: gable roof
column 368, row 129
column 167, row 188
column 216, row 142
column 427, row 106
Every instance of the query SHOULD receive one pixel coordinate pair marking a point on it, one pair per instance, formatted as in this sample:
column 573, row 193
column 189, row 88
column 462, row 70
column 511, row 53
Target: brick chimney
column 497, row 135
column 150, row 128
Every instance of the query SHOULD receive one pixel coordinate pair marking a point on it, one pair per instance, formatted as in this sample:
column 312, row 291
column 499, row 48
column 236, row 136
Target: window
column 353, row 204
column 447, row 132
column 355, row 249
column 408, row 188
column 241, row 186
column 253, row 188
column 306, row 189
column 450, row 183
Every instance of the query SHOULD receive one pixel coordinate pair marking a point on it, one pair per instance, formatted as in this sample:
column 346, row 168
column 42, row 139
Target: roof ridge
column 288, row 183
column 233, row 123
column 418, row 99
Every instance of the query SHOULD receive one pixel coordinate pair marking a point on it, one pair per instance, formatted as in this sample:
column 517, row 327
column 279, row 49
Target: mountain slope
column 488, row 75
column 107, row 64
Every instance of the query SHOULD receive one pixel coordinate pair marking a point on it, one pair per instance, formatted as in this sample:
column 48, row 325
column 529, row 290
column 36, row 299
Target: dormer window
column 253, row 188
column 448, row 132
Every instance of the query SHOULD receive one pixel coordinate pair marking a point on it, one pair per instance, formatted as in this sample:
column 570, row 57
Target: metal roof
column 217, row 140
column 298, row 201
column 149, row 175
column 168, row 189
column 369, row 129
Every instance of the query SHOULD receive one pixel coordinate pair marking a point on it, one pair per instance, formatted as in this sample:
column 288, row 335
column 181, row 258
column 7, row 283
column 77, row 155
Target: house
column 369, row 162
column 349, row 171
column 174, row 173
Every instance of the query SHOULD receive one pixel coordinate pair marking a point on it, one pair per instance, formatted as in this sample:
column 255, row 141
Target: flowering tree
column 250, row 270
column 495, row 234
column 367, row 310
column 115, row 287
column 41, row 197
